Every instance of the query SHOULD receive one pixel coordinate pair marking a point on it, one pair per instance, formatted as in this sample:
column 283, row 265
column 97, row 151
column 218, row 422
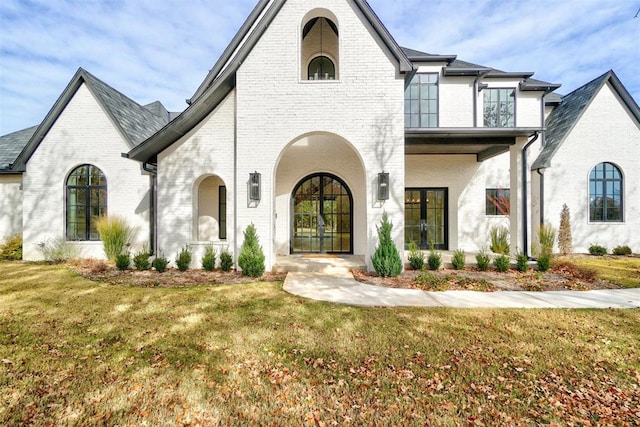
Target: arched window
column 86, row 202
column 322, row 68
column 605, row 193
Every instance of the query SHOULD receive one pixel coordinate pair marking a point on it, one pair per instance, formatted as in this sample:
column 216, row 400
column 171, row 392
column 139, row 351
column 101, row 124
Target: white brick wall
column 82, row 134
column 10, row 205
column 605, row 133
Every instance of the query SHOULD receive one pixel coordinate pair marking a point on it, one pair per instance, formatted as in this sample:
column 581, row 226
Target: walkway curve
column 342, row 288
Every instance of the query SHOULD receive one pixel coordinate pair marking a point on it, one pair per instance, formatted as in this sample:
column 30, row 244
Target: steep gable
column 134, row 122
column 563, row 118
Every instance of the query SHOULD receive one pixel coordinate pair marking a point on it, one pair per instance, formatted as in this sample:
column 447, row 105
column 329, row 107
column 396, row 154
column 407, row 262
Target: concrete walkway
column 341, row 287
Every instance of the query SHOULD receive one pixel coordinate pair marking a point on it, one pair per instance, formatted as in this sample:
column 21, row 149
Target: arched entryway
column 322, row 215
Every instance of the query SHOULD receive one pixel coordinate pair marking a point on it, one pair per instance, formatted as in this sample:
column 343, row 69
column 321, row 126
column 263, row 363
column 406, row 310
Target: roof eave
column 465, row 72
column 432, row 58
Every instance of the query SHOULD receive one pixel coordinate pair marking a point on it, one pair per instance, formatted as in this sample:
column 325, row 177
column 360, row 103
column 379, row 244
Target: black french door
column 426, row 213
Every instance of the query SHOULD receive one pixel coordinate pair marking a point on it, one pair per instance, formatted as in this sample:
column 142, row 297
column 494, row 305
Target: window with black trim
column 605, row 193
column 421, row 102
column 222, row 212
column 320, row 49
column 499, row 108
column 86, row 201
column 498, row 201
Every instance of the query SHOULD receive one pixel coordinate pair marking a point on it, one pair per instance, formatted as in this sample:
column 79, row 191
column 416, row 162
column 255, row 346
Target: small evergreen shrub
column 57, row 250
column 499, row 236
column 141, row 260
column 251, row 258
column 522, row 262
column 483, row 260
column 432, row 282
column 597, row 250
column 501, row 263
column 115, row 234
column 209, row 258
column 547, row 238
column 416, row 257
column 622, row 250
column 183, row 260
column 434, row 261
column 386, row 258
column 226, row 260
column 160, row 263
column 459, row 259
column 565, row 241
column 123, row 261
column 11, row 248
column 544, row 263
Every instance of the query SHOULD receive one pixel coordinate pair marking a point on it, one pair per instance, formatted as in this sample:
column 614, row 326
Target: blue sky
column 152, row 50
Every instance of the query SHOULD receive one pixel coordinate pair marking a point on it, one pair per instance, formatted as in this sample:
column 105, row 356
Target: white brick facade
column 10, row 205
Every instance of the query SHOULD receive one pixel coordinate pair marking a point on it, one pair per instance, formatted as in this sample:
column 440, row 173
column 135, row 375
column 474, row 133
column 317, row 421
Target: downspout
column 476, row 92
column 153, row 219
column 541, row 195
column 525, row 199
column 235, row 180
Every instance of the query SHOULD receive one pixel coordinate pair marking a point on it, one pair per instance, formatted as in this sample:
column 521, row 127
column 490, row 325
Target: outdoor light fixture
column 383, row 186
column 254, row 186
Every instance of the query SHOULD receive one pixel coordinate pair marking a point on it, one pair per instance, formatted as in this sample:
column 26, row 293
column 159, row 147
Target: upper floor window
column 499, row 108
column 86, row 202
column 320, row 47
column 421, row 102
column 605, row 193
column 322, row 68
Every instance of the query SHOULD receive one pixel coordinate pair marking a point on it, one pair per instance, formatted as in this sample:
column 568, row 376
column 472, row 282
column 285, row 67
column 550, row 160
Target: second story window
column 499, row 108
column 322, row 68
column 421, row 102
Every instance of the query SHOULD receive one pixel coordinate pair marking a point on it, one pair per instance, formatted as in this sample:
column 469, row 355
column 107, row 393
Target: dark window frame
column 409, row 101
column 492, row 198
column 222, row 219
column 497, row 121
column 92, row 192
column 603, row 186
column 321, row 76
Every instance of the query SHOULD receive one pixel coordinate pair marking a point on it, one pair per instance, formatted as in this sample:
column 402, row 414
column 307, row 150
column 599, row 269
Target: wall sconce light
column 254, row 186
column 383, row 186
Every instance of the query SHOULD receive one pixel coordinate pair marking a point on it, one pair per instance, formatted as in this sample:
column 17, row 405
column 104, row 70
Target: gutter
column 525, row 199
column 476, row 93
column 153, row 217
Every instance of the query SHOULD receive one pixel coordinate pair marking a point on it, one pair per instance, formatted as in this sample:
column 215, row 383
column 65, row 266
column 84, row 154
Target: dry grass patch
column 78, row 352
column 623, row 271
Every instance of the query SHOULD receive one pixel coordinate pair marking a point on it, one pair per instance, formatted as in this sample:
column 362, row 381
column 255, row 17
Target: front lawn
column 76, row 352
column 620, row 270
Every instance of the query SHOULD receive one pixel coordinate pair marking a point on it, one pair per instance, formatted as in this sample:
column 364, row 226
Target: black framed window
column 222, row 212
column 86, row 201
column 498, row 201
column 605, row 193
column 322, row 68
column 499, row 108
column 421, row 102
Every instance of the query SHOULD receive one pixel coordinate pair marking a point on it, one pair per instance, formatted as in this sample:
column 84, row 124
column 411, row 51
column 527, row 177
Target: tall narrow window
column 605, row 194
column 499, row 108
column 222, row 211
column 320, row 48
column 86, row 202
column 421, row 102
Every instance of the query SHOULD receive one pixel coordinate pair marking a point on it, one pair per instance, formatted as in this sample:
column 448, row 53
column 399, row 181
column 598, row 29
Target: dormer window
column 320, row 47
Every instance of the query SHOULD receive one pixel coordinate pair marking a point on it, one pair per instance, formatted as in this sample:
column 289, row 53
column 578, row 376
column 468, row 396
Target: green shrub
column 226, row 260
column 432, row 282
column 209, row 258
column 501, row 263
column 622, row 250
column 386, row 258
column 434, row 261
column 123, row 260
column 597, row 250
column 115, row 234
column 57, row 250
column 251, row 258
column 547, row 238
column 459, row 259
column 483, row 260
column 183, row 260
column 11, row 249
column 160, row 263
column 141, row 260
column 416, row 257
column 544, row 263
column 499, row 236
column 522, row 262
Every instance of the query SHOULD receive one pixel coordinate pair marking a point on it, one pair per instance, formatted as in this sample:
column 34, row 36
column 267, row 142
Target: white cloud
column 153, row 50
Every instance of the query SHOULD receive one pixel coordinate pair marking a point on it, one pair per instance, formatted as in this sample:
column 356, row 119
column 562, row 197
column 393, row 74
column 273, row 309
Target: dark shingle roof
column 11, row 145
column 564, row 117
